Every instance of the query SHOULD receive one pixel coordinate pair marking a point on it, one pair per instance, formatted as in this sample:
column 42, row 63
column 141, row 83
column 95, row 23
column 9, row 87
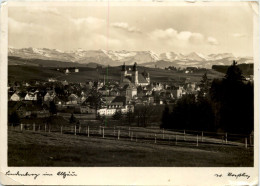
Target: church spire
column 123, row 67
column 135, row 67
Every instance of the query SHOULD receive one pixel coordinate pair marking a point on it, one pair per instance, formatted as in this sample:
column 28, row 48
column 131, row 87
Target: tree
column 166, row 117
column 234, row 74
column 14, row 118
column 98, row 117
column 144, row 114
column 73, row 119
column 130, row 116
column 233, row 102
column 95, row 99
column 39, row 100
column 53, row 109
column 204, row 87
column 118, row 115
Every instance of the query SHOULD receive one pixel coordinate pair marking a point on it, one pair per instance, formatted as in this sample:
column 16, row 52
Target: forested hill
column 247, row 69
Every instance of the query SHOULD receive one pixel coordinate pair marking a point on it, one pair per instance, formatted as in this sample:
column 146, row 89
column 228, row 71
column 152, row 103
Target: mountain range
column 116, row 58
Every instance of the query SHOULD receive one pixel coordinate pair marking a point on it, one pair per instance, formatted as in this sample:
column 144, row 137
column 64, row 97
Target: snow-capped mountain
column 169, row 56
column 115, row 58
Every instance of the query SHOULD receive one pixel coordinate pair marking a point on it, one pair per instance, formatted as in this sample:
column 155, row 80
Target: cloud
column 212, row 41
column 126, row 27
column 15, row 26
column 238, row 35
column 163, row 34
column 173, row 35
column 88, row 20
column 43, row 10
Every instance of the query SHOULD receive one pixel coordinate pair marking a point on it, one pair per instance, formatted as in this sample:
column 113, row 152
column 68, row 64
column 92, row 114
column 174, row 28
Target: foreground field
column 30, row 148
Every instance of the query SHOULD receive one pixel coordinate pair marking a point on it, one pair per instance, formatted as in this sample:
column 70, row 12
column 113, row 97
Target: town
column 94, row 98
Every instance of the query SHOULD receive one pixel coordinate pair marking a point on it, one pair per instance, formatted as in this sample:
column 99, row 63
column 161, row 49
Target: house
column 130, row 90
column 119, row 103
column 114, row 92
column 64, row 83
column 104, row 91
column 17, row 96
column 52, row 80
column 157, row 86
column 49, row 96
column 60, row 101
column 177, row 93
column 87, row 107
column 82, row 98
column 76, row 70
column 108, row 99
column 190, row 87
column 67, row 71
column 31, row 96
column 73, row 99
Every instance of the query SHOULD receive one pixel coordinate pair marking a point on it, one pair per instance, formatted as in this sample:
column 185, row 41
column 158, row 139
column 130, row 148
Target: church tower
column 123, row 73
column 135, row 74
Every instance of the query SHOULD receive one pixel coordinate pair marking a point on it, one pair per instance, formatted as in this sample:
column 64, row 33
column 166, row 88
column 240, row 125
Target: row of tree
column 221, row 105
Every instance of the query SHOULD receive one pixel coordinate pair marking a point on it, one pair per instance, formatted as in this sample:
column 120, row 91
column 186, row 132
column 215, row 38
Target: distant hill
column 247, row 69
column 31, row 73
column 12, row 60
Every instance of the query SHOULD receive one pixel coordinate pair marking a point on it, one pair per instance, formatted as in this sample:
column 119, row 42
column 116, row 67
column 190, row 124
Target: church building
column 132, row 76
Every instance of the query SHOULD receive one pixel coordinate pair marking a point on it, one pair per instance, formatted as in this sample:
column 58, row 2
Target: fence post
column 250, row 140
column 61, row 129
column 118, row 134
column 246, row 143
column 21, row 127
column 163, row 133
column 222, row 140
column 154, row 138
column 99, row 129
column 184, row 135
column 176, row 139
column 226, row 138
column 103, row 133
column 39, row 127
column 88, row 130
column 45, row 127
column 33, row 126
column 202, row 136
column 79, row 128
column 197, row 140
column 75, row 132
column 114, row 130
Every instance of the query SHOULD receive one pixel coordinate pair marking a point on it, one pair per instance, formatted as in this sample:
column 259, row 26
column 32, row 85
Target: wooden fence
column 146, row 135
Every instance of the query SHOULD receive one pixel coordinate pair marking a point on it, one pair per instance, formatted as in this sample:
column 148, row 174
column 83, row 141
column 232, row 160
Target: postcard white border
column 124, row 176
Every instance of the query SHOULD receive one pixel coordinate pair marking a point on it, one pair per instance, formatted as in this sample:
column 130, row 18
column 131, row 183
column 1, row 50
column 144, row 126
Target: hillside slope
column 29, row 73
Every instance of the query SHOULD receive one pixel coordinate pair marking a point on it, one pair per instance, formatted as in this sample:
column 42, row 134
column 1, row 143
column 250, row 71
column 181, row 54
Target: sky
column 180, row 29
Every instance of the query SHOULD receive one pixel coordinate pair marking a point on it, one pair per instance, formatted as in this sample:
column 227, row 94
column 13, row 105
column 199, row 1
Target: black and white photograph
column 108, row 85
